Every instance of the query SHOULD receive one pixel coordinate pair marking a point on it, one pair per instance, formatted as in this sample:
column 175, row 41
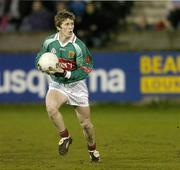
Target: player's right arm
column 42, row 51
column 44, row 47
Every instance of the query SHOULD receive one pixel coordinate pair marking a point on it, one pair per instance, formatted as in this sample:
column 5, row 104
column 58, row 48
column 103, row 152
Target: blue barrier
column 118, row 76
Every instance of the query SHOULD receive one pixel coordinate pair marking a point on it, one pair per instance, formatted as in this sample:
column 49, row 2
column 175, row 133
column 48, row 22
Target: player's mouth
column 70, row 32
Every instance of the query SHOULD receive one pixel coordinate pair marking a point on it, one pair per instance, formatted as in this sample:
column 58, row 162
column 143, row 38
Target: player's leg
column 83, row 114
column 54, row 100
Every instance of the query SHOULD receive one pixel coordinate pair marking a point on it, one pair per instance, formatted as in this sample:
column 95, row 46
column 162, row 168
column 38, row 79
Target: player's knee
column 86, row 124
column 52, row 111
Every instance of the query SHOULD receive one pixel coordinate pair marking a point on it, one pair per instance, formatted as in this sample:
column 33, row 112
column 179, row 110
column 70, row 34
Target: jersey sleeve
column 42, row 51
column 84, row 64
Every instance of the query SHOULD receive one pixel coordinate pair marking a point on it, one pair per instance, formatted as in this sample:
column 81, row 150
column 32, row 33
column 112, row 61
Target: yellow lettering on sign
column 169, row 65
column 145, row 64
column 159, row 64
column 178, row 63
column 160, row 84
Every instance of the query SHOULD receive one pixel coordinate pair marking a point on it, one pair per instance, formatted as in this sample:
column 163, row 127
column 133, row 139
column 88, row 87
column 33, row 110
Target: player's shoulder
column 80, row 43
column 49, row 39
column 52, row 36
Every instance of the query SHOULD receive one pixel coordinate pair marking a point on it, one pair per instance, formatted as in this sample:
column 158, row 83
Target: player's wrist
column 67, row 74
column 64, row 73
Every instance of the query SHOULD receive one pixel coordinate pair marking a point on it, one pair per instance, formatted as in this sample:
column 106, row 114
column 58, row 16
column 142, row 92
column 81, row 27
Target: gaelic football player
column 67, row 84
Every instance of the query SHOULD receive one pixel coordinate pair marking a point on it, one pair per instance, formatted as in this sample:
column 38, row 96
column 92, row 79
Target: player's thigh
column 55, row 99
column 83, row 113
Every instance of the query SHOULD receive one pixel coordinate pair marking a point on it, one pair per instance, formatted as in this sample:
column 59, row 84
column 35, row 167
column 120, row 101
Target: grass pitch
column 128, row 138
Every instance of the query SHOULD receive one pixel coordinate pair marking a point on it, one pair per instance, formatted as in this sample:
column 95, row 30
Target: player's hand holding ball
column 59, row 68
column 49, row 63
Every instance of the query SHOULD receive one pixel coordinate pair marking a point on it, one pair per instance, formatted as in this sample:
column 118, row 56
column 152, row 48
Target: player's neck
column 63, row 38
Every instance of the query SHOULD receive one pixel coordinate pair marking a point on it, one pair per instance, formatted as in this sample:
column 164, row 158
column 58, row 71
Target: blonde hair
column 62, row 16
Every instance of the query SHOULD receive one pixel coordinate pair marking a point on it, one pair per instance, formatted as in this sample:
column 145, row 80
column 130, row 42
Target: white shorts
column 77, row 92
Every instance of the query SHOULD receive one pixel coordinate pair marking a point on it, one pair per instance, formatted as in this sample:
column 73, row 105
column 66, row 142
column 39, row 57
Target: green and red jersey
column 74, row 57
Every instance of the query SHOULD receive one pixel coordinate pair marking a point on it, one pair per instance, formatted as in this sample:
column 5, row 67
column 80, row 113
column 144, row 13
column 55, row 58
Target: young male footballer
column 67, row 82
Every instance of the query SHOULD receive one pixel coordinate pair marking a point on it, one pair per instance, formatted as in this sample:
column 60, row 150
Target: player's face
column 67, row 28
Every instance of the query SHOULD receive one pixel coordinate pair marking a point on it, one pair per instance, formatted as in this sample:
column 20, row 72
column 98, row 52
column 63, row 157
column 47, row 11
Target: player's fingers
column 39, row 67
column 59, row 69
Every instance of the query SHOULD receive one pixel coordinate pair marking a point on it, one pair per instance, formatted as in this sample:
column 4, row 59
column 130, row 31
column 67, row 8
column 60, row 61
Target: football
column 48, row 62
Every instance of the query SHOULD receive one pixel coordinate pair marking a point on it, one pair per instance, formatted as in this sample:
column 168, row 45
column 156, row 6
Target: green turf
column 128, row 137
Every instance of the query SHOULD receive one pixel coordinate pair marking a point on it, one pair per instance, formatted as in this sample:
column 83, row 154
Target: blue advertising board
column 117, row 76
column 160, row 74
column 19, row 80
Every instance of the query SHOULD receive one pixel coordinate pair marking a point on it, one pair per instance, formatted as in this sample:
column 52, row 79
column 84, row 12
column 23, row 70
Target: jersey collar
column 71, row 40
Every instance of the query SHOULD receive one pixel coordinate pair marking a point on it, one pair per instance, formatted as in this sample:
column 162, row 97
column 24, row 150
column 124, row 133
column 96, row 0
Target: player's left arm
column 84, row 64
